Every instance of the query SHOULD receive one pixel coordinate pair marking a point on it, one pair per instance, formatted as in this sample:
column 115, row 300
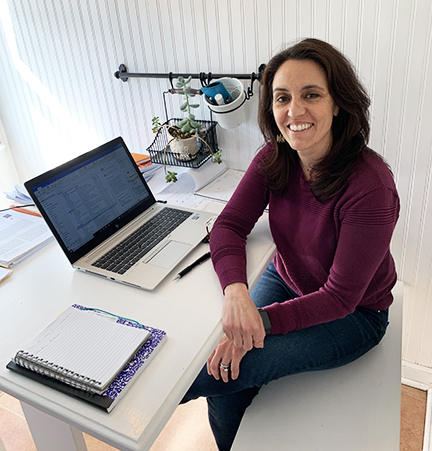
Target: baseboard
column 417, row 376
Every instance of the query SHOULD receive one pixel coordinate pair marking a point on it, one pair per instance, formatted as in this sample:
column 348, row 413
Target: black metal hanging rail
column 205, row 78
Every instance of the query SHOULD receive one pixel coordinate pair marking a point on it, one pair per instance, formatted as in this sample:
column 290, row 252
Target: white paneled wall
column 58, row 95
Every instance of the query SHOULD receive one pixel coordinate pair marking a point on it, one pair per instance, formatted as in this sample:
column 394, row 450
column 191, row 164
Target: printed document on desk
column 199, row 177
column 196, row 188
column 223, row 187
column 20, row 236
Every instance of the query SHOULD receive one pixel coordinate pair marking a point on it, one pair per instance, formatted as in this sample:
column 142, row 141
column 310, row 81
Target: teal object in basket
column 213, row 89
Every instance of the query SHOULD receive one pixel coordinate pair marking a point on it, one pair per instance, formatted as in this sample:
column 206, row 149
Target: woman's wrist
column 266, row 320
column 236, row 287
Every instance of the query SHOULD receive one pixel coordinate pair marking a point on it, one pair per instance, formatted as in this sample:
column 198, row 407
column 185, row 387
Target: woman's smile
column 299, row 127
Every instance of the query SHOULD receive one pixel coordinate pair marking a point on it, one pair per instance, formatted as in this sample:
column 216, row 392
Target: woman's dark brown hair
column 350, row 128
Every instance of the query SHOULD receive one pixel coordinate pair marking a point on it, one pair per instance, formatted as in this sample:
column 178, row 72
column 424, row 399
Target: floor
column 188, row 428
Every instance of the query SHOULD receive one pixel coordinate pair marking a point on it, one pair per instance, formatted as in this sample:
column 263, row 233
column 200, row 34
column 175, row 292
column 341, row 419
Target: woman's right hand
column 241, row 320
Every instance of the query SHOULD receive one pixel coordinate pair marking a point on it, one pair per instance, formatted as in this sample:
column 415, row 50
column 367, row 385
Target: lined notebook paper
column 83, row 349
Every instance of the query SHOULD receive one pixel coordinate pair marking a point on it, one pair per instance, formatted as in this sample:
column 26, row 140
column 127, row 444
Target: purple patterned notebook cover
column 140, row 358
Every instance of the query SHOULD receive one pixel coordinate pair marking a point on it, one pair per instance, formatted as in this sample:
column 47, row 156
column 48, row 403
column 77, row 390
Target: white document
column 199, row 176
column 20, row 235
column 19, row 194
column 198, row 189
column 181, row 194
column 223, row 187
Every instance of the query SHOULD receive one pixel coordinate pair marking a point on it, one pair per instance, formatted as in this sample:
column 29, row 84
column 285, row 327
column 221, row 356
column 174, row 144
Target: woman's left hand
column 226, row 353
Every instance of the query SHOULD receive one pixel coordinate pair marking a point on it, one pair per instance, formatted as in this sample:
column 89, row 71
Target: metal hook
column 202, row 78
column 170, row 77
column 254, row 77
column 250, row 93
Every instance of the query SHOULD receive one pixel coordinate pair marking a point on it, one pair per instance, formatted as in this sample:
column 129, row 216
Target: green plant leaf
column 179, row 85
column 186, row 128
column 188, row 80
column 191, row 116
column 182, row 122
column 171, row 177
column 194, row 105
column 195, row 124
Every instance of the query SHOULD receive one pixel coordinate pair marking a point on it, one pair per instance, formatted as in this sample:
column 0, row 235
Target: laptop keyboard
column 130, row 250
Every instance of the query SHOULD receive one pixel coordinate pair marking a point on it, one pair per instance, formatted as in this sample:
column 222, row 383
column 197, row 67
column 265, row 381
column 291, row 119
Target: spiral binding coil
column 50, row 369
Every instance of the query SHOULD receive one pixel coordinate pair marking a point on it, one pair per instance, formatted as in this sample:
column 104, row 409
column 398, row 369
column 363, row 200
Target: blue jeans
column 320, row 347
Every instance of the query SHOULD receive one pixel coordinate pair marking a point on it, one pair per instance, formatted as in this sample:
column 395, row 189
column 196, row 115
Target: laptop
column 104, row 216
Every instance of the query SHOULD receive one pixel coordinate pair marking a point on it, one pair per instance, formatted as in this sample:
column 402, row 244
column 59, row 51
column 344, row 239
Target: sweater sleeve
column 362, row 267
column 229, row 233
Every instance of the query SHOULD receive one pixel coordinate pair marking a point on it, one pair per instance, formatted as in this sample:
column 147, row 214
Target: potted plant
column 183, row 137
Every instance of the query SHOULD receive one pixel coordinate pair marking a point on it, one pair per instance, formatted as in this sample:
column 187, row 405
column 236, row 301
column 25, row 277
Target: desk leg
column 51, row 434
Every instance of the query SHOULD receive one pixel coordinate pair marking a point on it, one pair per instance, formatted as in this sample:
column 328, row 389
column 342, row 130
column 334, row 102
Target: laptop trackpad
column 169, row 255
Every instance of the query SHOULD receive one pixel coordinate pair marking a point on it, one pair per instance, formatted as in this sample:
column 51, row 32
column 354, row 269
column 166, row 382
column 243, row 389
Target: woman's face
column 303, row 108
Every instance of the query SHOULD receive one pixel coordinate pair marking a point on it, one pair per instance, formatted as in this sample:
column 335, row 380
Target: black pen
column 189, row 268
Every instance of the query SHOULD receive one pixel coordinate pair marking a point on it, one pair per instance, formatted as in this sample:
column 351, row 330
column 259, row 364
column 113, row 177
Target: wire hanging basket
column 160, row 153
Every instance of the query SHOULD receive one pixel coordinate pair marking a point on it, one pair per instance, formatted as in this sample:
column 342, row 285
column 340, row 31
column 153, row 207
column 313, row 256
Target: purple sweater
column 335, row 254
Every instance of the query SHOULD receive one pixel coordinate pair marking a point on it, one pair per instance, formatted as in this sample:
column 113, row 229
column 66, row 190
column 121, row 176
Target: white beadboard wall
column 59, row 98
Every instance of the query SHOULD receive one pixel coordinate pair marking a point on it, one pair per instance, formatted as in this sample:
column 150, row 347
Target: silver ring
column 225, row 367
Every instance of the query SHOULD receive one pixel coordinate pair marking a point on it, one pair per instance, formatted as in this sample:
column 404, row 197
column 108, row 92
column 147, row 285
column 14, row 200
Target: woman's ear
column 335, row 110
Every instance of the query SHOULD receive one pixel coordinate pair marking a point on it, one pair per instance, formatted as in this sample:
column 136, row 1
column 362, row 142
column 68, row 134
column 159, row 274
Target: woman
column 323, row 301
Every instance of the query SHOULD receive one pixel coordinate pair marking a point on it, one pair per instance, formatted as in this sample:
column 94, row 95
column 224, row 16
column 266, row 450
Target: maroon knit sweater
column 334, row 254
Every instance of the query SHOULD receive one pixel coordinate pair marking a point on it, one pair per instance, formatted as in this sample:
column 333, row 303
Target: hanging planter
column 161, row 150
column 186, row 140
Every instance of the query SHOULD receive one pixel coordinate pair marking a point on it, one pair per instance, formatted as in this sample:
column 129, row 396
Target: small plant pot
column 183, row 149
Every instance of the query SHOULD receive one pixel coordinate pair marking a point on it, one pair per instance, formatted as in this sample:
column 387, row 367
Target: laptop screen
column 88, row 199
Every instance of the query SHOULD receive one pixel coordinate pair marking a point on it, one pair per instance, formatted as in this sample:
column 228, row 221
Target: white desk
column 189, row 310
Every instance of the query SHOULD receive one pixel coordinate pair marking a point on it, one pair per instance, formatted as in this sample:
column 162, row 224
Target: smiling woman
column 333, row 205
column 325, row 77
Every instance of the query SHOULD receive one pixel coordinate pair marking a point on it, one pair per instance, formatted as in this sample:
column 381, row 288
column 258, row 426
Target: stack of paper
column 147, row 168
column 19, row 194
column 20, row 236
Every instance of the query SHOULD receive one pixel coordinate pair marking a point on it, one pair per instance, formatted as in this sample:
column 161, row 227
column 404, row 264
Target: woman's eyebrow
column 304, row 88
column 312, row 87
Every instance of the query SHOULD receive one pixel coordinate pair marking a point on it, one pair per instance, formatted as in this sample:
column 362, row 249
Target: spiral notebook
column 60, row 356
